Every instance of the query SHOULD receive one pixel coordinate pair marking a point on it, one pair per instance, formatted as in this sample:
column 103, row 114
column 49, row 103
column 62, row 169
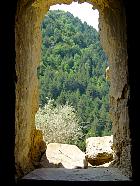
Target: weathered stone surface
column 113, row 39
column 99, row 150
column 112, row 24
column 90, row 174
column 38, row 146
column 64, row 155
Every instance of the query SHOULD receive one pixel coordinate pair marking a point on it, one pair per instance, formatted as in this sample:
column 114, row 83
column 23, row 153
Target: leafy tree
column 72, row 70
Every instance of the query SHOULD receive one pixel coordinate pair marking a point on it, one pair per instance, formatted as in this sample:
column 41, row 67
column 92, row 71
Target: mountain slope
column 72, row 70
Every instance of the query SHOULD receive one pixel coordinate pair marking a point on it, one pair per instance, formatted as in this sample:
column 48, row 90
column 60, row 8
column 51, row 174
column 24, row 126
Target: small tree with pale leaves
column 58, row 123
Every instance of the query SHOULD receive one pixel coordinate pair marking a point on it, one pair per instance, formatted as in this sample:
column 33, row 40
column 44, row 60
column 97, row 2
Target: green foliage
column 72, row 70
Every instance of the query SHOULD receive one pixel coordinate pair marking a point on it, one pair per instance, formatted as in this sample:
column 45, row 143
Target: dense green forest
column 72, row 71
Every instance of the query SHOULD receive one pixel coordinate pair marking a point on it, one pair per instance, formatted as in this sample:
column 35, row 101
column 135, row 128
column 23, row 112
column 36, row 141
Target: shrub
column 58, row 123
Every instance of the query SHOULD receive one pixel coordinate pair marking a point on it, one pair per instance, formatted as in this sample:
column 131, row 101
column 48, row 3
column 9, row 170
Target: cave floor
column 90, row 174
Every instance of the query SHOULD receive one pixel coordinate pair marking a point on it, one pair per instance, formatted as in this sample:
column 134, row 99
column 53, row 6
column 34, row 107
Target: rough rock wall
column 28, row 142
column 114, row 41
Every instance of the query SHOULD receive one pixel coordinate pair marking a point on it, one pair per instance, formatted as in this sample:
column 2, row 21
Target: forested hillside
column 72, row 70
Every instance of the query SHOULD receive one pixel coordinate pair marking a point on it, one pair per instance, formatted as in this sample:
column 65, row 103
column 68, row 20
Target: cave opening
column 112, row 30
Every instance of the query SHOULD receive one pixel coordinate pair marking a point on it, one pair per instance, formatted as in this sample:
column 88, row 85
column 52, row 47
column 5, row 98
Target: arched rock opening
column 112, row 24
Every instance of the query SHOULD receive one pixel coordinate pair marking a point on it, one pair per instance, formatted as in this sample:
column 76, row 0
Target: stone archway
column 112, row 24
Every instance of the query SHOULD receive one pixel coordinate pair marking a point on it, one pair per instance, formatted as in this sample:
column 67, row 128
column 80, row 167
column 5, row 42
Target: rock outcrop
column 99, row 150
column 64, row 155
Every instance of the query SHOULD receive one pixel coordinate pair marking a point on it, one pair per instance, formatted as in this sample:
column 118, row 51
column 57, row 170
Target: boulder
column 64, row 155
column 99, row 150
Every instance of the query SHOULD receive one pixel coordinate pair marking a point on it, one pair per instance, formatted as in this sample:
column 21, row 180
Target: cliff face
column 28, row 141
